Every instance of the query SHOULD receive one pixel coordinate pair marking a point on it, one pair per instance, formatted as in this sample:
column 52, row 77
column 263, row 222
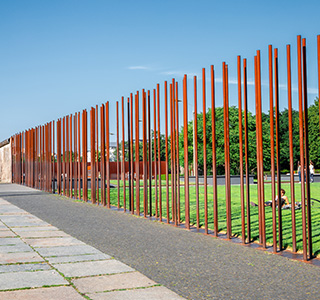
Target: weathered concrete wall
column 5, row 163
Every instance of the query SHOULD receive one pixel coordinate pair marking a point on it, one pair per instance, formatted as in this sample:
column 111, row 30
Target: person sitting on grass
column 285, row 204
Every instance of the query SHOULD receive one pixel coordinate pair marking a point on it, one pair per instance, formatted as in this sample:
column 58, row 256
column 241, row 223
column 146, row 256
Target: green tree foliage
column 314, row 140
column 162, row 148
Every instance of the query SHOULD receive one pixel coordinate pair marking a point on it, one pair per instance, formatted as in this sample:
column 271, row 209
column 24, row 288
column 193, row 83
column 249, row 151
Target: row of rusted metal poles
column 55, row 157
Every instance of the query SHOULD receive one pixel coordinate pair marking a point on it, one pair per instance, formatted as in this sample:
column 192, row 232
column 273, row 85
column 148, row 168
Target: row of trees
column 314, row 140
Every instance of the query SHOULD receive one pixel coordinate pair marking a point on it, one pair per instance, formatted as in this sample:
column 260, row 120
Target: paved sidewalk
column 39, row 261
column 195, row 266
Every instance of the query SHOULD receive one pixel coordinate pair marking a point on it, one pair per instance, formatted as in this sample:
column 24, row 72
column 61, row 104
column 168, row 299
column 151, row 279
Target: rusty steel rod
column 243, row 230
column 44, row 166
column 171, row 153
column 103, row 154
column 131, row 151
column 137, row 158
column 214, row 158
column 144, row 141
column 276, row 83
column 293, row 211
column 155, row 153
column 123, row 159
column 84, row 156
column 159, row 152
column 67, row 157
column 166, row 145
column 149, row 147
column 23, row 157
column 40, row 157
column 306, row 141
column 195, row 151
column 318, row 56
column 31, row 158
column 263, row 226
column 47, row 157
column 108, row 154
column 93, row 154
column 53, row 158
column 129, row 155
column 97, row 153
column 186, row 160
column 118, row 158
column 137, row 154
column 75, row 152
column 16, row 141
column 226, row 147
column 173, row 158
column 79, row 158
column 77, row 163
column 63, row 154
column 50, row 157
column 205, row 183
column 272, row 154
column 174, row 169
column 70, row 157
column 172, row 140
column 177, row 157
column 302, row 161
column 257, row 144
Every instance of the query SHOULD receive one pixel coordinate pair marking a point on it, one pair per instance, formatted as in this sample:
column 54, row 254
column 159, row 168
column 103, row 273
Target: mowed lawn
column 235, row 209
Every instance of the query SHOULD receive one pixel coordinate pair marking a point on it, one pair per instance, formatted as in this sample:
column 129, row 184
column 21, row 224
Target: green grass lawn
column 235, row 210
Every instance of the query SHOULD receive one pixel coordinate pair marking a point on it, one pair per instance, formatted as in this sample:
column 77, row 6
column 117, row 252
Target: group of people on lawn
column 285, row 204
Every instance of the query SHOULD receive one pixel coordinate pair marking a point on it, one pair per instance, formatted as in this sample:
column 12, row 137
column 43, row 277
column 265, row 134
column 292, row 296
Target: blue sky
column 59, row 57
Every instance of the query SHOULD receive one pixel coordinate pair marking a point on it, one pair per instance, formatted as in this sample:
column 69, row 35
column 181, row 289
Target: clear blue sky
column 59, row 57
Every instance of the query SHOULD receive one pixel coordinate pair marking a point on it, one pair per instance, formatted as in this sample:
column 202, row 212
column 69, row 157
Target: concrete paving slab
column 22, row 221
column 6, row 233
column 52, row 293
column 154, row 293
column 4, row 202
column 35, row 228
column 13, row 218
column 42, row 233
column 18, row 280
column 14, row 188
column 52, row 242
column 11, row 209
column 15, row 248
column 24, row 267
column 10, row 241
column 12, row 258
column 90, row 268
column 68, row 250
column 112, row 282
column 78, row 258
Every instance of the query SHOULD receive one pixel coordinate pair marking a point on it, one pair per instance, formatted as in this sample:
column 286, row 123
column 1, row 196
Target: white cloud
column 178, row 73
column 138, row 68
column 234, row 81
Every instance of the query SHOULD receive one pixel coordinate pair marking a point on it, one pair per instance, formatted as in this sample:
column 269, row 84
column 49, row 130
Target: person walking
column 311, row 169
column 299, row 171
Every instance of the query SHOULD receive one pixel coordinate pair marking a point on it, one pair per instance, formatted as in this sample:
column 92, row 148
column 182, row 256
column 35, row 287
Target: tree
column 314, row 139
